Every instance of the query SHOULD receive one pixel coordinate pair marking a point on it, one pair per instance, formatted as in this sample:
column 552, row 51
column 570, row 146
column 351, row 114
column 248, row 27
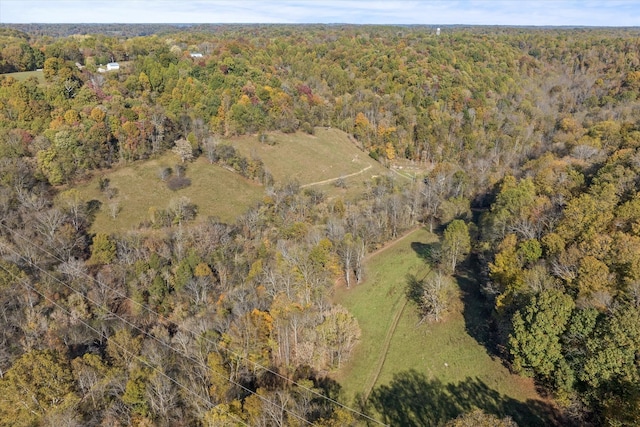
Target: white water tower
column 437, row 31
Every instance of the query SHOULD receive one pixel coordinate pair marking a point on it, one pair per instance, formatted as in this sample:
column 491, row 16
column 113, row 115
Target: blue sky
column 614, row 13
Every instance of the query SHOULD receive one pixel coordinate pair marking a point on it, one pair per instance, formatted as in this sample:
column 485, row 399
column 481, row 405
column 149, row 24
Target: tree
column 135, row 395
column 612, row 351
column 62, row 159
column 220, row 378
column 347, row 253
column 181, row 210
column 478, row 418
column 103, row 249
column 338, row 334
column 456, row 244
column 431, row 294
column 123, row 348
column 534, row 343
column 209, row 148
column 38, row 382
column 184, row 149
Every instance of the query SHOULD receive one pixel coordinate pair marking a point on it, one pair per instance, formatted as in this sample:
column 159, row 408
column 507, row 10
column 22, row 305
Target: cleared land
column 216, row 192
column 320, row 158
column 431, row 366
column 24, row 75
column 315, row 161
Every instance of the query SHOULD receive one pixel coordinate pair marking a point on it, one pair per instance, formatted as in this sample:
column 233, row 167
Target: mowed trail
column 327, row 181
column 373, row 378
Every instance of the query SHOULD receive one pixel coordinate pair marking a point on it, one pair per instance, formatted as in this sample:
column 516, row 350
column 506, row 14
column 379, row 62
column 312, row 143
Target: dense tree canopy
column 529, row 141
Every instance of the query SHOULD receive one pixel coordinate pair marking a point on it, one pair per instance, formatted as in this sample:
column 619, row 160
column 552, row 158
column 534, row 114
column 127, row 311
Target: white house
column 113, row 66
column 196, row 55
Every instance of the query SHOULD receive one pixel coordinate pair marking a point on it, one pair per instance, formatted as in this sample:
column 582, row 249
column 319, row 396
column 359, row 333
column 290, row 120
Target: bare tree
column 162, row 396
column 347, row 251
column 432, row 295
column 183, row 149
column 210, row 149
column 114, row 208
column 360, row 253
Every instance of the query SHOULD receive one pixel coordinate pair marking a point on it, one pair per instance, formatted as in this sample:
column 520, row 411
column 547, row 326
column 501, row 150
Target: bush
column 103, row 184
column 178, row 182
column 165, row 173
column 266, row 139
column 306, row 127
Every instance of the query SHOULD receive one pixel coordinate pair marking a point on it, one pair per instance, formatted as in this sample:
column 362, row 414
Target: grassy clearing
column 375, row 302
column 24, row 75
column 446, row 364
column 326, row 155
column 309, row 159
column 216, row 191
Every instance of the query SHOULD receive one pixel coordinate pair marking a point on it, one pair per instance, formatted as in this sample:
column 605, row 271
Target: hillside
column 215, row 191
column 314, row 161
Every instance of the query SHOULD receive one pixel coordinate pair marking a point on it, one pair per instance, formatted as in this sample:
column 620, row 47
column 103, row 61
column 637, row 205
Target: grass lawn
column 24, row 75
column 216, row 192
column 313, row 160
column 431, row 372
column 375, row 302
column 326, row 155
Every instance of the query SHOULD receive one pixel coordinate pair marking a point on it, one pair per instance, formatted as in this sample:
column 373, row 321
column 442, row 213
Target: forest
column 528, row 140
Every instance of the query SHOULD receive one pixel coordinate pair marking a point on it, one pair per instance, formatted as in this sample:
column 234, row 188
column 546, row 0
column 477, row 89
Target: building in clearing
column 196, row 55
column 113, row 66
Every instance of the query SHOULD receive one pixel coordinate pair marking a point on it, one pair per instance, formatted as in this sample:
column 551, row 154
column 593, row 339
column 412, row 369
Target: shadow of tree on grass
column 476, row 311
column 411, row 399
column 423, row 250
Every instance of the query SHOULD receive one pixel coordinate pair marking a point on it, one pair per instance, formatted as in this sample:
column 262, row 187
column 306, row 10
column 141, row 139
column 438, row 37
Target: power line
column 132, row 325
column 194, row 334
column 138, row 358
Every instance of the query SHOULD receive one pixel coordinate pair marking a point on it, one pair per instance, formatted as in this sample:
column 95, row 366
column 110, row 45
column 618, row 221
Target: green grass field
column 431, row 372
column 24, row 75
column 324, row 156
column 216, row 191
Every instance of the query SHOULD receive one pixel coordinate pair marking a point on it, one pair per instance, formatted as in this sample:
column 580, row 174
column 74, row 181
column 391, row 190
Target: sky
column 610, row 13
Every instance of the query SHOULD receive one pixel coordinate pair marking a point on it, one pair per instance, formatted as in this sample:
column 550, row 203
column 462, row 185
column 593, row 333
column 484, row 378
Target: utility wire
column 132, row 325
column 194, row 334
column 138, row 358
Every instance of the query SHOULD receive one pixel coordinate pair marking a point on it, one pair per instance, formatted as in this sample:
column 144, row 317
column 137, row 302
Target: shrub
column 165, row 173
column 178, row 182
column 306, row 127
column 103, row 183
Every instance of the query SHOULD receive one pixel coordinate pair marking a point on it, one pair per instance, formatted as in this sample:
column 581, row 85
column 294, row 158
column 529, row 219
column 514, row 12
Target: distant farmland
column 24, row 75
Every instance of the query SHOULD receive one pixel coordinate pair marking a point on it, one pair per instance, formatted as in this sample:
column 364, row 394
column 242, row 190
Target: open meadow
column 424, row 374
column 24, row 75
column 215, row 191
column 315, row 161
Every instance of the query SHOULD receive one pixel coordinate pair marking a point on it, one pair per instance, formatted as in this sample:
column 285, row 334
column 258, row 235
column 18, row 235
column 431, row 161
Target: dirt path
column 401, row 174
column 392, row 243
column 385, row 349
column 327, row 181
